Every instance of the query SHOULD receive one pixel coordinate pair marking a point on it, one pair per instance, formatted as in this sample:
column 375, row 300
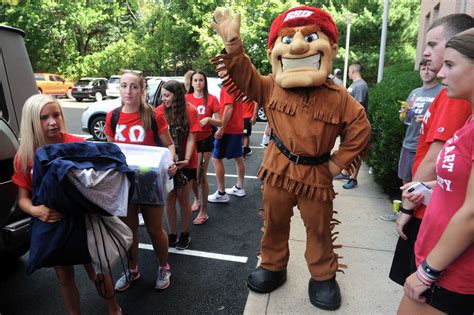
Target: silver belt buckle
column 297, row 158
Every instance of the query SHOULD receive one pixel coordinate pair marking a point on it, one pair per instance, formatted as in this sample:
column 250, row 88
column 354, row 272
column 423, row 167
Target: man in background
column 418, row 102
column 360, row 91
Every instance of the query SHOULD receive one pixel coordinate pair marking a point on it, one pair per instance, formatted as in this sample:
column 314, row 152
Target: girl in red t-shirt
column 43, row 123
column 134, row 127
column 184, row 125
column 208, row 107
column 444, row 248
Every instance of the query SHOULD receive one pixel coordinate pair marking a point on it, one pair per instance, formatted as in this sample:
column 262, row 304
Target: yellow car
column 53, row 84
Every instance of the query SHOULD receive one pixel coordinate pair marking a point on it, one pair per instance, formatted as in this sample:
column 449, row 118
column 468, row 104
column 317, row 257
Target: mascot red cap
column 301, row 16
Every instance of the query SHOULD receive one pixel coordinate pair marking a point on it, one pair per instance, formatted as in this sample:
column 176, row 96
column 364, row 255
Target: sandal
column 200, row 220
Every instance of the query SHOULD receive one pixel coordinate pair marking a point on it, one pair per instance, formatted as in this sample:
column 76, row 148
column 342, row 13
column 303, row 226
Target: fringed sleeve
column 240, row 76
column 354, row 147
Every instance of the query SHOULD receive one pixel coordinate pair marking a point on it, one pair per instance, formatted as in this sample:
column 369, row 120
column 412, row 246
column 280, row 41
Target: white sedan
column 93, row 118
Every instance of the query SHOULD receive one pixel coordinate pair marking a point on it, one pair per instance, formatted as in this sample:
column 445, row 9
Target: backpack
column 154, row 127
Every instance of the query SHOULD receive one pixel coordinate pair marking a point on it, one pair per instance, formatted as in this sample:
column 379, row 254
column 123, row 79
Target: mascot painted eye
column 307, row 112
column 311, row 37
column 287, row 40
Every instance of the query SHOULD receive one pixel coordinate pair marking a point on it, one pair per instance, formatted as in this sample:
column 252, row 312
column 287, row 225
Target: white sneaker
column 124, row 282
column 235, row 191
column 216, row 197
column 390, row 217
column 164, row 275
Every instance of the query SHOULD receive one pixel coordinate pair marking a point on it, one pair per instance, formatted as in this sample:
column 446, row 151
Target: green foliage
column 366, row 29
column 59, row 34
column 387, row 130
column 169, row 37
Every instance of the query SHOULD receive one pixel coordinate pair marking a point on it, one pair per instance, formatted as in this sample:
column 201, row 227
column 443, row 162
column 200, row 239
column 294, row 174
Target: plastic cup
column 396, row 205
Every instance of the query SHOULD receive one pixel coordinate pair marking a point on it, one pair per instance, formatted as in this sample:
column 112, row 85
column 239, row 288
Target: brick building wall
column 431, row 10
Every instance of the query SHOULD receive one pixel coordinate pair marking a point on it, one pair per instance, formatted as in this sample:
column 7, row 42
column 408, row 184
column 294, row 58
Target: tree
column 366, row 31
column 60, row 32
column 169, row 37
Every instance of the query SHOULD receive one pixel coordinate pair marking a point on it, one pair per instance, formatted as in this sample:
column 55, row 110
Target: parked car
column 113, row 86
column 93, row 118
column 17, row 83
column 92, row 88
column 53, row 84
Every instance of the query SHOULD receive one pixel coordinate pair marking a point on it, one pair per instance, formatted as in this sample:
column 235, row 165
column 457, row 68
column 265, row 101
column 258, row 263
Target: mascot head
column 301, row 45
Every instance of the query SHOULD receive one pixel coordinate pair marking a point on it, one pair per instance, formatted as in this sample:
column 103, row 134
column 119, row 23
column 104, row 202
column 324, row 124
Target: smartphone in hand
column 421, row 188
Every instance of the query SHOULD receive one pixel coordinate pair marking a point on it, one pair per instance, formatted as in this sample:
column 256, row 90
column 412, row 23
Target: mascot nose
column 299, row 45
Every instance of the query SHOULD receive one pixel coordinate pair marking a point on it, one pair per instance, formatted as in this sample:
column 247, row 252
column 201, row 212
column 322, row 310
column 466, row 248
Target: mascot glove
column 228, row 28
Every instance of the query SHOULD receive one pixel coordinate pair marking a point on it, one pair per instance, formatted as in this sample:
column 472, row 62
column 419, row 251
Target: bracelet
column 423, row 278
column 406, row 211
column 430, row 271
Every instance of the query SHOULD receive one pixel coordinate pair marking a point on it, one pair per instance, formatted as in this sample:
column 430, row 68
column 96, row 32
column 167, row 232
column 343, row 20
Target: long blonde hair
column 145, row 109
column 31, row 133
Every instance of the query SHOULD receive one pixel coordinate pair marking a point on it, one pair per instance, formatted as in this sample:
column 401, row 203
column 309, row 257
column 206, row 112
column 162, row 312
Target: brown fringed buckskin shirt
column 308, row 122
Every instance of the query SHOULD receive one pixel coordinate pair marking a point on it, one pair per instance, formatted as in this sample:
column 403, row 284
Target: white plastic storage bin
column 150, row 164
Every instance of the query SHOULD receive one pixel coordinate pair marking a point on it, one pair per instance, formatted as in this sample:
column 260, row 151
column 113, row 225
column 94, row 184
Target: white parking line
column 196, row 253
column 231, row 175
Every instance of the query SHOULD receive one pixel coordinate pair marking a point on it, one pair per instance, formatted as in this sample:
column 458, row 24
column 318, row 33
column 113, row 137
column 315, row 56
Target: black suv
column 93, row 88
column 17, row 83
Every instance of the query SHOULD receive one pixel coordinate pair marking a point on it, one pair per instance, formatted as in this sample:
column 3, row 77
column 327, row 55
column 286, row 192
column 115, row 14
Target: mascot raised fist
column 307, row 111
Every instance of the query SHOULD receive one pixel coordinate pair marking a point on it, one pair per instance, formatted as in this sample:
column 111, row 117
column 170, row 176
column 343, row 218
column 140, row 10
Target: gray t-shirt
column 418, row 102
column 360, row 91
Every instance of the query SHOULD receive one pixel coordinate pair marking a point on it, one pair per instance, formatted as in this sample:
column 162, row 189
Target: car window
column 39, row 77
column 83, row 82
column 51, row 78
column 152, row 88
column 114, row 80
column 3, row 104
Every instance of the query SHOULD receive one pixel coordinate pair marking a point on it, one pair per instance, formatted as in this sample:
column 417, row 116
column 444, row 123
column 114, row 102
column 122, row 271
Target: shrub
column 387, row 130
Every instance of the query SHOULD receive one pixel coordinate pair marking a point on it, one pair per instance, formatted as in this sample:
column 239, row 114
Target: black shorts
column 184, row 176
column 403, row 263
column 247, row 127
column 205, row 145
column 448, row 301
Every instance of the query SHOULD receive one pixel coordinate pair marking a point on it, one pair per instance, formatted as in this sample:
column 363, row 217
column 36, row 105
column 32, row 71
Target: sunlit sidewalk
column 368, row 246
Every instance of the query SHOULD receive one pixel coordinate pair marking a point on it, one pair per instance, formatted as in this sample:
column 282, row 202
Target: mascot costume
column 307, row 112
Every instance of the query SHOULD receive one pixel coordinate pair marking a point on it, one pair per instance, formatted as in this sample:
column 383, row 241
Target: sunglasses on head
column 137, row 72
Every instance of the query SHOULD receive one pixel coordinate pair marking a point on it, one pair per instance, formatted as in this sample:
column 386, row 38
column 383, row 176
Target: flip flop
column 200, row 220
column 194, row 209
